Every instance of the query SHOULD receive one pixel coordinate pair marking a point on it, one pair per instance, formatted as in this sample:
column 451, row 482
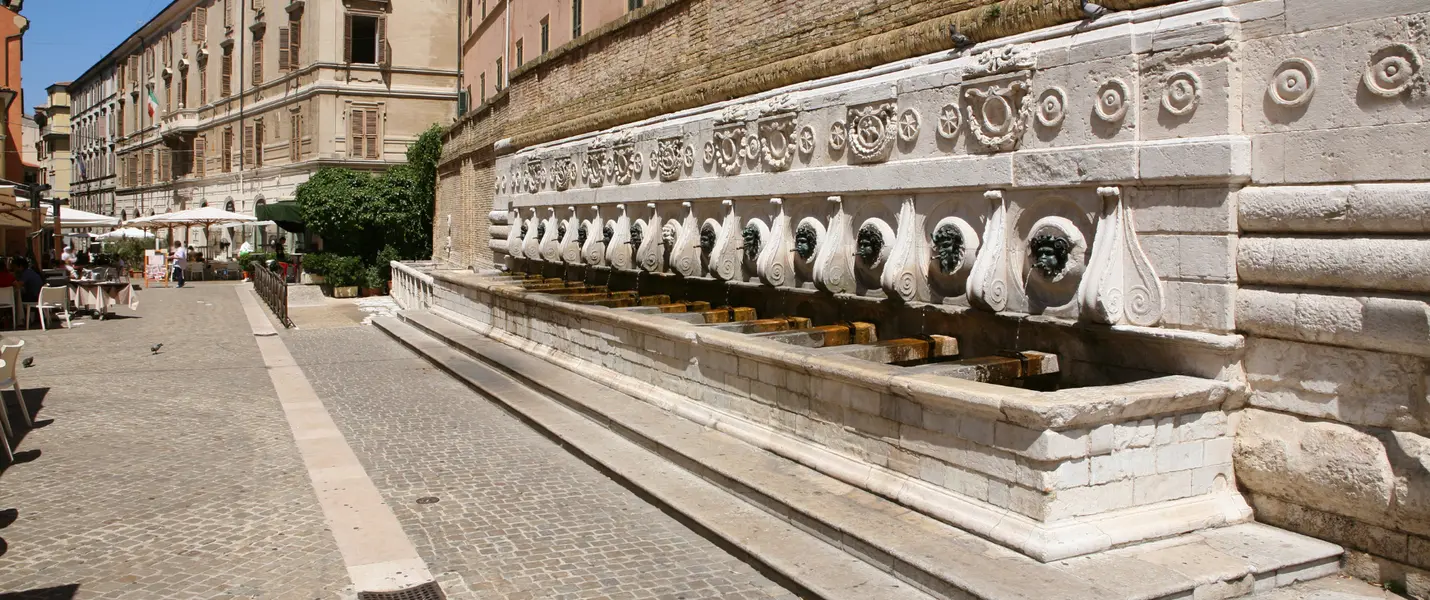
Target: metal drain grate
column 426, row 591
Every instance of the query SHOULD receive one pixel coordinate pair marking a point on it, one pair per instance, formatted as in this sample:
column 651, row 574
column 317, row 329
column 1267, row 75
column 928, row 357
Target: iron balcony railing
column 272, row 288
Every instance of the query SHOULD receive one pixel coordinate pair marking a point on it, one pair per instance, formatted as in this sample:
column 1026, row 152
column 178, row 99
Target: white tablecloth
column 100, row 296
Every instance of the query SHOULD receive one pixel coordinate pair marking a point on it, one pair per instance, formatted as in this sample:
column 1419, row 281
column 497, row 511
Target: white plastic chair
column 9, row 360
column 8, row 299
column 54, row 298
column 6, row 434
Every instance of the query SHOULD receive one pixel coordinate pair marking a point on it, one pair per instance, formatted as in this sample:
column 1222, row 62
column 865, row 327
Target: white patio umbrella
column 125, row 232
column 73, row 218
column 195, row 217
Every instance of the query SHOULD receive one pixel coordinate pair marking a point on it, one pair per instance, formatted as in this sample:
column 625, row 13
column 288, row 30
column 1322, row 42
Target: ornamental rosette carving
column 908, row 125
column 593, row 251
column 618, row 249
column 998, row 114
column 1391, row 70
column 650, row 255
column 1112, row 101
column 949, row 120
column 775, row 261
column 834, row 256
column 725, row 256
column 838, row 136
column 1293, row 84
column 672, row 156
column 1182, row 91
column 906, row 273
column 804, row 140
column 1119, row 285
column 1052, row 107
column 730, row 149
column 597, row 168
column 685, row 250
column 872, row 131
column 1012, row 57
column 563, row 173
column 571, row 239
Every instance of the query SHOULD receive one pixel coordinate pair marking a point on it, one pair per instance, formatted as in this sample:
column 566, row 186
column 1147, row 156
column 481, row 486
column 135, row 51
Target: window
column 258, row 143
column 484, row 9
column 227, row 165
column 545, row 34
column 365, row 39
column 295, row 139
column 203, row 83
column 225, row 85
column 201, row 24
column 295, row 41
column 575, row 19
column 499, row 75
column 519, row 54
column 228, row 13
column 168, row 96
column 184, row 91
column 482, row 83
column 201, row 146
column 148, row 168
column 257, row 60
column 634, row 4
column 363, row 136
column 284, row 50
column 471, row 18
column 120, row 113
column 166, row 164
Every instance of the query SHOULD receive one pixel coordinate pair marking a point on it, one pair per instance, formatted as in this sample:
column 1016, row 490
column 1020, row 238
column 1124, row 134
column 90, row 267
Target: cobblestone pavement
column 160, row 476
column 516, row 517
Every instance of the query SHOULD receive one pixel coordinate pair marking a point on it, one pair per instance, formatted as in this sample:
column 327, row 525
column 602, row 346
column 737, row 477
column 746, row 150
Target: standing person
column 181, row 260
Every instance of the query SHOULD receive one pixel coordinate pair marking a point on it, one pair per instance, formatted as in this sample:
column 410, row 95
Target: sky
column 67, row 37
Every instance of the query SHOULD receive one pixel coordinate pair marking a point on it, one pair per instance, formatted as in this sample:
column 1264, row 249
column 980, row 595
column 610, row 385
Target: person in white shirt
column 180, row 258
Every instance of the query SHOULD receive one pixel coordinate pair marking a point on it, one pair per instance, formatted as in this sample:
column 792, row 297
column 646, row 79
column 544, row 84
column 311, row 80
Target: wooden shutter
column 201, row 146
column 120, row 114
column 382, row 40
column 258, row 143
column 295, row 42
column 295, row 136
column 166, row 164
column 227, row 13
column 248, row 145
column 148, row 168
column 203, row 83
column 355, row 133
column 226, row 79
column 257, row 61
column 201, row 24
column 347, row 38
column 227, row 155
column 373, row 149
column 283, row 56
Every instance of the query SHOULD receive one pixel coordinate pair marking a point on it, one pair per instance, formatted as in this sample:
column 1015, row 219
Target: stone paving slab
column 158, row 476
column 515, row 515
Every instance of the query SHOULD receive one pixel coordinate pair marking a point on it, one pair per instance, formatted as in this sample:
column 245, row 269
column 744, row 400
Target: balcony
column 179, row 123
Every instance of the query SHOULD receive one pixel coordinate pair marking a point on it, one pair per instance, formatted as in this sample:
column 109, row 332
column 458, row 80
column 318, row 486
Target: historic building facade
column 53, row 148
column 94, row 101
column 233, row 103
column 1224, row 196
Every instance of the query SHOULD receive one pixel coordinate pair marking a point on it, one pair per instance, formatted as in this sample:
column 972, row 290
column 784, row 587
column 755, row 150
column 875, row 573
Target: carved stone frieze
column 729, row 147
column 949, row 120
column 1012, row 57
column 533, row 175
column 838, row 136
column 804, row 140
column 775, row 261
column 596, row 169
column 998, row 114
column 908, row 125
column 834, row 256
column 625, row 163
column 563, row 173
column 906, row 273
column 1052, row 107
column 672, row 156
column 1120, row 286
column 872, row 131
column 684, row 256
column 777, row 147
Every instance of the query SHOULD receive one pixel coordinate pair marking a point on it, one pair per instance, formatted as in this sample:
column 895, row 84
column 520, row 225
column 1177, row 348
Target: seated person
column 29, row 279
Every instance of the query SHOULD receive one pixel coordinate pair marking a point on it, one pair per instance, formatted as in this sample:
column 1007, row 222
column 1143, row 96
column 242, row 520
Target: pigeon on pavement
column 28, row 362
column 155, row 348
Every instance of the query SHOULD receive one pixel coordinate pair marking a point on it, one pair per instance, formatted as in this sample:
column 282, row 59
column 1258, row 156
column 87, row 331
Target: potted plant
column 374, row 280
column 316, row 267
column 344, row 274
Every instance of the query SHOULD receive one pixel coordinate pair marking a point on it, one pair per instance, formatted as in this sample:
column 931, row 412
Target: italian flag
column 152, row 103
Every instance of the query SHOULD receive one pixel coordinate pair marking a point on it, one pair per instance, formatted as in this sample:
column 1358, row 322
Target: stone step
column 822, row 570
column 929, row 554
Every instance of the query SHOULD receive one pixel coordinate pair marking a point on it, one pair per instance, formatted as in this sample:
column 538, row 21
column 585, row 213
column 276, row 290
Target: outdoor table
column 98, row 296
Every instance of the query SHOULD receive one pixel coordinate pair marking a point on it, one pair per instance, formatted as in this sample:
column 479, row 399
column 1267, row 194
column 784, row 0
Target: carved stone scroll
column 906, row 274
column 834, row 258
column 594, row 250
column 651, row 253
column 685, row 251
column 618, row 250
column 725, row 257
column 531, row 244
column 570, row 244
column 775, row 262
column 550, row 241
column 1120, row 285
column 514, row 235
column 988, row 283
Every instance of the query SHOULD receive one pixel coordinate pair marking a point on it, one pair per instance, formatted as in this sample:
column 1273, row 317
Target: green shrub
column 318, row 263
column 130, row 250
column 247, row 261
column 344, row 271
column 376, row 276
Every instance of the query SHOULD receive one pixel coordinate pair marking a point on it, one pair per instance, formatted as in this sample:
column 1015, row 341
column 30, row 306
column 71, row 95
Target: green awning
column 284, row 214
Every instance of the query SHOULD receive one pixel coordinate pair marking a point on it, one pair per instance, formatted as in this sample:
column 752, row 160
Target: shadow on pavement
column 34, row 400
column 63, row 592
